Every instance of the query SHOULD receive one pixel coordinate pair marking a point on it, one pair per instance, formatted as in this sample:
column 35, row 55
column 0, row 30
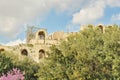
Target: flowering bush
column 14, row 74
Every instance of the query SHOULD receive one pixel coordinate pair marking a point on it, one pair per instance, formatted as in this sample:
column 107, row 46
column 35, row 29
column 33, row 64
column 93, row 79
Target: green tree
column 29, row 67
column 9, row 60
column 88, row 55
column 5, row 64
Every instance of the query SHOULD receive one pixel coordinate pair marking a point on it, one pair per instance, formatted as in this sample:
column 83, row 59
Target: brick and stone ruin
column 38, row 42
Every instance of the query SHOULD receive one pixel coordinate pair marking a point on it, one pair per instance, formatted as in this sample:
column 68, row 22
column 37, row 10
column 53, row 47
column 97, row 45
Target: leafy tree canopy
column 88, row 55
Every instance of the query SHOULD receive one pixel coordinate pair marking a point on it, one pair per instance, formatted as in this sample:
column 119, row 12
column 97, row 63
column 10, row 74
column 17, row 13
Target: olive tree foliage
column 88, row 55
column 10, row 60
column 5, row 64
column 29, row 67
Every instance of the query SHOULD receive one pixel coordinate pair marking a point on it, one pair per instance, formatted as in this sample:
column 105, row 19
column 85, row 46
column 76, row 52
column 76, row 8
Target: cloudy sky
column 54, row 15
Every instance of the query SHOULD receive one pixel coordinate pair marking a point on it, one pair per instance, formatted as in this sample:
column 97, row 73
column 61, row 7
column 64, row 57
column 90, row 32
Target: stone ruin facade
column 38, row 42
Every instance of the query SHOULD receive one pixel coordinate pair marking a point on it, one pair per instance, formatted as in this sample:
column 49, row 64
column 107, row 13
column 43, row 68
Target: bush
column 88, row 55
column 14, row 74
column 5, row 64
column 29, row 67
column 9, row 60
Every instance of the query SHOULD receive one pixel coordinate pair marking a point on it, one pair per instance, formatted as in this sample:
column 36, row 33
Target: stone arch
column 41, row 35
column 41, row 53
column 2, row 49
column 24, row 52
column 101, row 28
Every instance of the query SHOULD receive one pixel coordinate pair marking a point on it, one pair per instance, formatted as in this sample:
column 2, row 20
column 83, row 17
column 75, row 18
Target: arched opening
column 101, row 28
column 24, row 52
column 41, row 35
column 2, row 49
column 41, row 53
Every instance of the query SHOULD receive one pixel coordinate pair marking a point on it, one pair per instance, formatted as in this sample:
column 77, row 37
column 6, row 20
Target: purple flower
column 14, row 74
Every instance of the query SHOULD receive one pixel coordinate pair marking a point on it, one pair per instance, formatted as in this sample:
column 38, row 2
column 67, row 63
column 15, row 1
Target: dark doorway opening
column 41, row 35
column 24, row 52
column 41, row 53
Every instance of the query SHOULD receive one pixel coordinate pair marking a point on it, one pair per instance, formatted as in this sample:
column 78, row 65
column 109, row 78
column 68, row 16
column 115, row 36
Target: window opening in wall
column 41, row 35
column 41, row 53
column 24, row 52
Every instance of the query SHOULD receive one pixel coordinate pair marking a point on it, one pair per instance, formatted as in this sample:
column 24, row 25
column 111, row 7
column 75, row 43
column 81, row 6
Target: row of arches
column 24, row 52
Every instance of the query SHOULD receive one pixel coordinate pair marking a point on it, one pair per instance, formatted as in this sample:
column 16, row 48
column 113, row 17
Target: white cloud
column 115, row 17
column 113, row 3
column 69, row 5
column 15, row 13
column 89, row 14
column 15, row 42
column 93, row 11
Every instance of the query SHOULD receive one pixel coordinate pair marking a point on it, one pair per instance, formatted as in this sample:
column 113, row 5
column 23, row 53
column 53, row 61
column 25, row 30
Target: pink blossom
column 14, row 74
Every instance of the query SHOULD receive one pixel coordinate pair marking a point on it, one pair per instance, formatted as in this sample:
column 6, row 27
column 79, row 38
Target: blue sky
column 54, row 15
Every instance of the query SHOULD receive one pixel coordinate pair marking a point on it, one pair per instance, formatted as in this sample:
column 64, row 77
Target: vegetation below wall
column 9, row 61
column 88, row 55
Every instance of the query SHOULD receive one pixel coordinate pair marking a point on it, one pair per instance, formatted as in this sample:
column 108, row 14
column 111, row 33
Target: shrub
column 14, row 74
column 88, row 55
column 5, row 64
